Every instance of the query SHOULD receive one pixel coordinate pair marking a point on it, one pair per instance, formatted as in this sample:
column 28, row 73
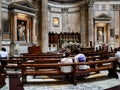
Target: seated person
column 66, row 69
column 79, row 57
column 66, row 59
column 117, row 56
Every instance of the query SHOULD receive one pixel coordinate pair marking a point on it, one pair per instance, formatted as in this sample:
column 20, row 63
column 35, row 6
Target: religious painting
column 100, row 34
column 21, row 30
column 56, row 21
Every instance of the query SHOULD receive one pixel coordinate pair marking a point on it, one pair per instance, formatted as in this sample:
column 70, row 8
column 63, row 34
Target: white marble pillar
column 117, row 28
column 0, row 24
column 90, row 22
column 45, row 39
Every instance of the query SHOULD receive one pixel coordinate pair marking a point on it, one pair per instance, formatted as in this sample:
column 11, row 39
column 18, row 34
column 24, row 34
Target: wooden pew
column 12, row 65
column 49, row 69
column 52, row 69
column 26, row 57
column 43, row 54
column 106, row 64
column 2, row 79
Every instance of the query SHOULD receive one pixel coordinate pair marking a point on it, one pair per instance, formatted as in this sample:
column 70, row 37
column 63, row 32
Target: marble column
column 117, row 28
column 83, row 27
column 90, row 22
column 44, row 32
column 34, row 31
column 0, row 23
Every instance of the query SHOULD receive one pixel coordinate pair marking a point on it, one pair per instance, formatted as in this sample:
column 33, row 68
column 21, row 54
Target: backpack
column 81, row 58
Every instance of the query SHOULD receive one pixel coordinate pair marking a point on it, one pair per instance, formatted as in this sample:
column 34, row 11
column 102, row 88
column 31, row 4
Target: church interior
column 37, row 33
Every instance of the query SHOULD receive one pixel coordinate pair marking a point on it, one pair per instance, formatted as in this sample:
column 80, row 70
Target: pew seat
column 52, row 69
column 49, row 69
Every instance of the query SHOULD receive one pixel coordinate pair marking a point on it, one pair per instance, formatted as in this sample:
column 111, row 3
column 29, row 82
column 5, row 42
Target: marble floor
column 93, row 82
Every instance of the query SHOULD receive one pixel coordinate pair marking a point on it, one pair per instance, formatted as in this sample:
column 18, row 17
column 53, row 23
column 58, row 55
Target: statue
column 21, row 32
column 100, row 36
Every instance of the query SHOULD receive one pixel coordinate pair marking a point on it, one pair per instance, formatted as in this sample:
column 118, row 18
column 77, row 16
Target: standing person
column 117, row 56
column 66, row 59
column 3, row 55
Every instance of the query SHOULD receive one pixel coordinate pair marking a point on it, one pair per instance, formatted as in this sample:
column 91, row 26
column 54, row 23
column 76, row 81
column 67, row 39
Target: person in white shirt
column 117, row 56
column 79, row 57
column 3, row 56
column 66, row 69
column 66, row 59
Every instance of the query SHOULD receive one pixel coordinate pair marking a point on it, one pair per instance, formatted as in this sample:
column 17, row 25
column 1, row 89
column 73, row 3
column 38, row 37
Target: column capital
column 90, row 2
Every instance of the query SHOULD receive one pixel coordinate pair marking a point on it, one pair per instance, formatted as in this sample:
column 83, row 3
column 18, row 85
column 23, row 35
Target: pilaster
column 117, row 28
column 64, row 19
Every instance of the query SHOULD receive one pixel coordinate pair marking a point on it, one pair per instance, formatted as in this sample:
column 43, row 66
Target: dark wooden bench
column 52, row 69
column 106, row 64
column 49, row 69
column 24, row 58
column 12, row 65
column 44, row 55
column 2, row 79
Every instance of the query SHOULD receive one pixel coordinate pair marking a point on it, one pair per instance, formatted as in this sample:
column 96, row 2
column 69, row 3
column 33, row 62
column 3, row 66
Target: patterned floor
column 94, row 82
